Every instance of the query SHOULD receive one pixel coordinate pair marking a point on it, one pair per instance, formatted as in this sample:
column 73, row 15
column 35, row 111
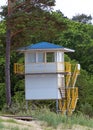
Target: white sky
column 73, row 7
column 70, row 7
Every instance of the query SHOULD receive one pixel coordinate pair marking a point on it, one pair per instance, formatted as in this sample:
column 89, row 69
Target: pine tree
column 19, row 12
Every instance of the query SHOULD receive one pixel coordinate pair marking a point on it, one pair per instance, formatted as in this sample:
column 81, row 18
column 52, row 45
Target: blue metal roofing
column 43, row 45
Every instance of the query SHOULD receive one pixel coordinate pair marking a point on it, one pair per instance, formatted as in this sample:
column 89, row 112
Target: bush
column 87, row 109
column 2, row 95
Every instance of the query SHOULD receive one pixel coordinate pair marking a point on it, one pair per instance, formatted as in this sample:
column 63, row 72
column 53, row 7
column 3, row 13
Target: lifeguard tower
column 48, row 76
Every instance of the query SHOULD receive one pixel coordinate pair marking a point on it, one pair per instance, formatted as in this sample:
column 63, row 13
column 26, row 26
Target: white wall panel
column 41, row 87
column 40, row 68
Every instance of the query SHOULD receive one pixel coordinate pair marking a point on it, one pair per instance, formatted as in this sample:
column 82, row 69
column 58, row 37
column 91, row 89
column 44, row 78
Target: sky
column 70, row 8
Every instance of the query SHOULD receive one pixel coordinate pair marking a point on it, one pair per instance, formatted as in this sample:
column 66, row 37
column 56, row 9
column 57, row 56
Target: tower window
column 41, row 57
column 33, row 57
column 50, row 56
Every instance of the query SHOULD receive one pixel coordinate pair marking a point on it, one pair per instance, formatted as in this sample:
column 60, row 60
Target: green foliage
column 82, row 18
column 15, row 108
column 24, row 26
column 87, row 109
column 79, row 36
column 2, row 95
column 85, row 83
column 36, row 25
column 19, row 92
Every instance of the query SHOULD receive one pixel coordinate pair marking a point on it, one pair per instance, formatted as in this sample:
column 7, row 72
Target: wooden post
column 56, row 105
column 26, row 105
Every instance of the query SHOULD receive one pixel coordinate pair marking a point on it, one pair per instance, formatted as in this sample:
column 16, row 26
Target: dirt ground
column 14, row 124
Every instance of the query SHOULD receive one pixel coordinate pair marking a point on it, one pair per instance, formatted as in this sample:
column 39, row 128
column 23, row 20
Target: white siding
column 44, row 68
column 40, row 68
column 41, row 87
column 50, row 67
column 60, row 57
column 60, row 60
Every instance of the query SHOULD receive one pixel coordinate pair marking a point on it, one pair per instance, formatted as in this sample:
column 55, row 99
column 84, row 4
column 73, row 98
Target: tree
column 82, row 18
column 7, row 65
column 21, row 20
column 24, row 6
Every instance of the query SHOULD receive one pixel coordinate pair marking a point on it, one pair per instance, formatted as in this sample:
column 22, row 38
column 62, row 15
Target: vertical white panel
column 60, row 56
column 61, row 81
column 41, row 87
column 41, row 57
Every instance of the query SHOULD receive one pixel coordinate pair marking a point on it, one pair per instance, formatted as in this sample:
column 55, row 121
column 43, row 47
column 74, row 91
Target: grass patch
column 82, row 120
column 1, row 126
column 51, row 118
column 17, row 128
column 8, row 120
column 54, row 119
column 10, row 123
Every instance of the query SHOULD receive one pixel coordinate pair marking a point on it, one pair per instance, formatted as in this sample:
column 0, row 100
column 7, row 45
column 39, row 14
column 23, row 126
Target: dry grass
column 12, row 124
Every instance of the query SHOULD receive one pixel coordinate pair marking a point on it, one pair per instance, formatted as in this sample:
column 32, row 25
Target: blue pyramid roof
column 43, row 45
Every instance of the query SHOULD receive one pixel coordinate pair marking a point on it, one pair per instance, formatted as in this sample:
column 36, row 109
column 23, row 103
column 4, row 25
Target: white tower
column 44, row 71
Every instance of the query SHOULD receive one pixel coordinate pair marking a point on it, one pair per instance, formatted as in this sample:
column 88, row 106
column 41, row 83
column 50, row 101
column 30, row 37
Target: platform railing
column 64, row 67
column 67, row 67
column 75, row 74
column 68, row 104
column 18, row 68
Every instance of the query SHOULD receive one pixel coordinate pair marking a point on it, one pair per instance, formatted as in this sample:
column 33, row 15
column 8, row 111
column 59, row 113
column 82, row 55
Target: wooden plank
column 26, row 118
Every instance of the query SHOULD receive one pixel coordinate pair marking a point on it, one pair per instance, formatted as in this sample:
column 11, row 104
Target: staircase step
column 62, row 92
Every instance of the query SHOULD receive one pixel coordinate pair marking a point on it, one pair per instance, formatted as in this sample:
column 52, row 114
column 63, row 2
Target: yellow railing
column 18, row 68
column 61, row 67
column 74, row 96
column 68, row 70
column 67, row 67
column 75, row 74
column 68, row 104
column 68, row 77
column 62, row 106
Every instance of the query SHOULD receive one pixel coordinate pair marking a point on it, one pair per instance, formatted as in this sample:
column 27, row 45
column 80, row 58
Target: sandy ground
column 14, row 124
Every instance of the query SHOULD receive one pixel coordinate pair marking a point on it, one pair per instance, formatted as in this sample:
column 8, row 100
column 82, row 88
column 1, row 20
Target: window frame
column 51, row 57
column 43, row 57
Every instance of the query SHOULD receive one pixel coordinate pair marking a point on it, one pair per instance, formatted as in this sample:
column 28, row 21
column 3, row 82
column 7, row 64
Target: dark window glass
column 50, row 56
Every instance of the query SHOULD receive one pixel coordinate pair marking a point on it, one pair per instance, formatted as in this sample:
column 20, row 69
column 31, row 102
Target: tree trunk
column 7, row 68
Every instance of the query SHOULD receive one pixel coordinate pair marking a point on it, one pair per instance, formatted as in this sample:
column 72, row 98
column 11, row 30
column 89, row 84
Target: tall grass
column 54, row 119
column 82, row 120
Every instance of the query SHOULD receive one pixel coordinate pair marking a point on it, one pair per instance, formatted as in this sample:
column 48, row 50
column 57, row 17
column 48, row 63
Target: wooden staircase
column 62, row 92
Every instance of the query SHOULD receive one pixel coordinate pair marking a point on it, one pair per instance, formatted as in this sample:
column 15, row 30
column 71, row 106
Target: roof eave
column 53, row 49
column 68, row 50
